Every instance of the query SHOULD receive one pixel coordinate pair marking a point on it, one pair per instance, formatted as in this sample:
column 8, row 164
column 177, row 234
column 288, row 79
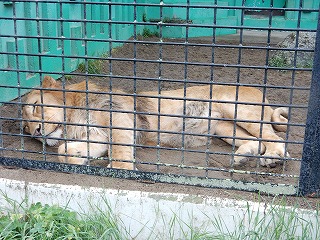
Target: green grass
column 146, row 33
column 277, row 222
column 281, row 62
column 92, row 66
column 307, row 65
column 278, row 61
column 44, row 222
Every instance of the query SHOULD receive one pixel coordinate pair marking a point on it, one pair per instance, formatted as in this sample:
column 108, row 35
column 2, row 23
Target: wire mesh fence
column 211, row 94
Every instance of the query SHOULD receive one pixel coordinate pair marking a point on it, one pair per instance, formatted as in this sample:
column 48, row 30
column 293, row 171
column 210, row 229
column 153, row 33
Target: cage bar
column 309, row 184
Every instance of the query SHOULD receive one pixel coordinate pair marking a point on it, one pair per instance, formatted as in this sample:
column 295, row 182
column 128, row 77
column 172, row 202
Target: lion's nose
column 37, row 132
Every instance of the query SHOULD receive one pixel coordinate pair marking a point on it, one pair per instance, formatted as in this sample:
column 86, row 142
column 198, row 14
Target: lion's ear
column 49, row 82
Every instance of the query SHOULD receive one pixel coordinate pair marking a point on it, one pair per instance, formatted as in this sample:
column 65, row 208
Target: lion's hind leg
column 248, row 118
column 247, row 144
column 274, row 145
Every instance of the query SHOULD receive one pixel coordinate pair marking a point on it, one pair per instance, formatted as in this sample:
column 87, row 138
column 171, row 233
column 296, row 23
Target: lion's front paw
column 122, row 165
column 71, row 155
column 240, row 160
column 272, row 162
column 274, row 155
column 73, row 160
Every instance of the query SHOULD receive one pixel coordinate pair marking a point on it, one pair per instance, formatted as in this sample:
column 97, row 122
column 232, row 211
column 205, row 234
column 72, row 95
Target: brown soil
column 173, row 76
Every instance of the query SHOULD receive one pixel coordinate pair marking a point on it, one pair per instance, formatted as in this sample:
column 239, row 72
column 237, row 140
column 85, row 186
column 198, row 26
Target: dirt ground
column 173, row 76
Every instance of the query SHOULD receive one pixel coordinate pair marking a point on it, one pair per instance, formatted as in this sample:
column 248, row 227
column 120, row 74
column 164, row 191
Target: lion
column 94, row 122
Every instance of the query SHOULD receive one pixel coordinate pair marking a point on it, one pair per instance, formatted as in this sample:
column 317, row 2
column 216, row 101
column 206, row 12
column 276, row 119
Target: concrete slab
column 254, row 36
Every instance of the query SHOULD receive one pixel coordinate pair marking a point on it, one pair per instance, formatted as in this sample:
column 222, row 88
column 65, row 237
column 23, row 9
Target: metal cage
column 144, row 57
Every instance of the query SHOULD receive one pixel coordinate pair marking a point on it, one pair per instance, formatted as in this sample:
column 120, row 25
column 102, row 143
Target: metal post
column 310, row 166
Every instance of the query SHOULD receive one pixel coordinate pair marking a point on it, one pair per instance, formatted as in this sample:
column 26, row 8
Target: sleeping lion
column 52, row 116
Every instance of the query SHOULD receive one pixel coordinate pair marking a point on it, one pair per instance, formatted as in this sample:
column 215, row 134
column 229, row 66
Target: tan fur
column 47, row 122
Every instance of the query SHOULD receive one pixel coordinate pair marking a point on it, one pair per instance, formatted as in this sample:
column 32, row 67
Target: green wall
column 308, row 19
column 55, row 52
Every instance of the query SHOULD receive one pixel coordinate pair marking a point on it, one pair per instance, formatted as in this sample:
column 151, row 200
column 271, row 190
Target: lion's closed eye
column 35, row 108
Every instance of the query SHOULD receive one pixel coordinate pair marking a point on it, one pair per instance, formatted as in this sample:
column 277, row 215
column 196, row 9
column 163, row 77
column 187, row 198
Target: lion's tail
column 280, row 115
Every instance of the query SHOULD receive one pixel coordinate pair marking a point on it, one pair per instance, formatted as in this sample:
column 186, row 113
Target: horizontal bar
column 269, row 188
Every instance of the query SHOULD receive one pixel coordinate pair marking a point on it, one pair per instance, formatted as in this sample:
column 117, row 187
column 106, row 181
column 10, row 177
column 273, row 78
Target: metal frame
column 310, row 172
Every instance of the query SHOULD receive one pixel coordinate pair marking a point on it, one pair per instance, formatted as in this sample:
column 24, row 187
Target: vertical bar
column 102, row 17
column 44, row 147
column 1, row 136
column 293, row 77
column 59, row 26
column 134, row 81
column 87, row 34
column 309, row 184
column 17, row 63
column 31, row 30
column 160, row 67
column 235, row 116
column 185, row 98
column 62, row 44
column 212, row 80
column 110, row 33
column 45, row 26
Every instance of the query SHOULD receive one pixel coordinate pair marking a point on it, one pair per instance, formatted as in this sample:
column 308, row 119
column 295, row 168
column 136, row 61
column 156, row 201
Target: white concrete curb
column 144, row 215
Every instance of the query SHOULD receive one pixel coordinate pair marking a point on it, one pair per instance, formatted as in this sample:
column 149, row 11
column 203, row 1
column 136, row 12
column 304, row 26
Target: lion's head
column 42, row 116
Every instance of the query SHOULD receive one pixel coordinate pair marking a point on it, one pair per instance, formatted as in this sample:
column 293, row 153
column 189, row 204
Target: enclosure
column 156, row 46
